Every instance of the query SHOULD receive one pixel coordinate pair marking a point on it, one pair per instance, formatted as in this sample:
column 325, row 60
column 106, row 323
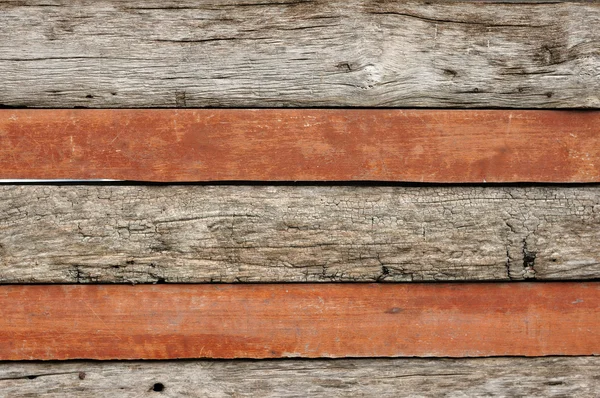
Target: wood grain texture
column 149, row 234
column 272, row 53
column 57, row 322
column 305, row 145
column 405, row 377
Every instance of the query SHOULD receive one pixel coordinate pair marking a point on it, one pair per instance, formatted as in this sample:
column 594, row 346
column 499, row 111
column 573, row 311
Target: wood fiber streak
column 275, row 53
column 150, row 234
column 404, row 377
column 301, row 145
column 298, row 320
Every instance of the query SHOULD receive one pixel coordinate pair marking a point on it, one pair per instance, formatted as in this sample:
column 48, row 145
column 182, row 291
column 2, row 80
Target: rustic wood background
column 521, row 56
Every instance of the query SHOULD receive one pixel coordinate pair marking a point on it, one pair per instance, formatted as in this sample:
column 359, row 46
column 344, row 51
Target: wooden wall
column 368, row 198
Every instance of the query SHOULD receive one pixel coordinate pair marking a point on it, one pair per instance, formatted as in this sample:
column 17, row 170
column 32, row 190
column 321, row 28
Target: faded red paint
column 301, row 145
column 307, row 320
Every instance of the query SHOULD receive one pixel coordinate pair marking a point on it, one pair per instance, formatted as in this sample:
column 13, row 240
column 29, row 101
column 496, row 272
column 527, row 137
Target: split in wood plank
column 197, row 233
column 51, row 322
column 404, row 377
column 271, row 53
column 301, row 145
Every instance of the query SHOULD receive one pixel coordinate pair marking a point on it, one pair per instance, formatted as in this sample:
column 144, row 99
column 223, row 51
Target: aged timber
column 503, row 377
column 52, row 322
column 301, row 145
column 241, row 53
column 141, row 234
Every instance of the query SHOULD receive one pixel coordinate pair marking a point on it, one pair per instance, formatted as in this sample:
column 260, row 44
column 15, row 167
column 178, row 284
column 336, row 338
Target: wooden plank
column 50, row 322
column 406, row 377
column 196, row 233
column 307, row 145
column 272, row 53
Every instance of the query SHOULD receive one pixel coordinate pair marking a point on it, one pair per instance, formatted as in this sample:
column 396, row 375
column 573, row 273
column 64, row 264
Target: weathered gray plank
column 138, row 234
column 512, row 377
column 185, row 53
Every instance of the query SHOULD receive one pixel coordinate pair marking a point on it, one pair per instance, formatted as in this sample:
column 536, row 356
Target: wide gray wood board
column 506, row 377
column 249, row 53
column 149, row 234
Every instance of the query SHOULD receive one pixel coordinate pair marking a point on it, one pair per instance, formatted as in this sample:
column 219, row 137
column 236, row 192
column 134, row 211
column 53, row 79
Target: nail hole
column 158, row 387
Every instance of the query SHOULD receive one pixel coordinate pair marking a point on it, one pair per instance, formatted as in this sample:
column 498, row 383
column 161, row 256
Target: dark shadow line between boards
column 300, row 183
column 314, row 283
column 289, row 359
column 295, row 107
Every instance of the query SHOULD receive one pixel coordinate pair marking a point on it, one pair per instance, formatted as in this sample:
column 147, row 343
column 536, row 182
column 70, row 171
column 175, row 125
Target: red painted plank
column 307, row 320
column 308, row 145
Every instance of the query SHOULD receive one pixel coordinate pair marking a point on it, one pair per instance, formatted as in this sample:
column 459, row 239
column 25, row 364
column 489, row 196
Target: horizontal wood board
column 150, row 234
column 405, row 377
column 298, row 320
column 241, row 233
column 306, row 145
column 274, row 53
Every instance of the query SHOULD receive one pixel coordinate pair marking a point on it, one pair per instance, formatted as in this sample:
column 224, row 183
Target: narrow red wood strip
column 309, row 145
column 306, row 320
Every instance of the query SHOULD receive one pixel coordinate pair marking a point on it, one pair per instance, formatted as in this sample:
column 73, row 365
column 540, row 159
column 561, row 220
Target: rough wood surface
column 140, row 234
column 489, row 377
column 57, row 322
column 301, row 145
column 248, row 53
